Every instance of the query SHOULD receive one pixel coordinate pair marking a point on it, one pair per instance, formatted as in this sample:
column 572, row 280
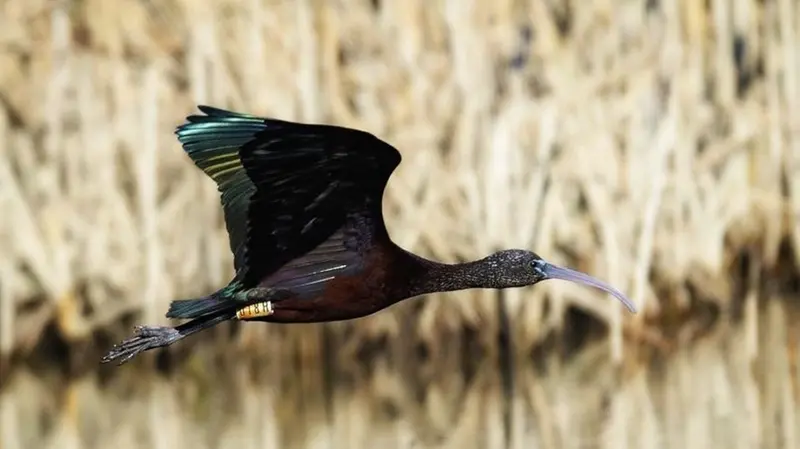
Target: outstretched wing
column 286, row 187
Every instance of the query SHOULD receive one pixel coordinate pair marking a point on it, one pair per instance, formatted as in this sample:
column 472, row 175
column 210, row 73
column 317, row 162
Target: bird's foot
column 144, row 338
column 257, row 310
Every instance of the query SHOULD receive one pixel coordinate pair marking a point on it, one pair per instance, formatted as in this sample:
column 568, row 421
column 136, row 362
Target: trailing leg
column 151, row 337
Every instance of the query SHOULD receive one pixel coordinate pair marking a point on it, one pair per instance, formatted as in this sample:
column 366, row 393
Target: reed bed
column 649, row 143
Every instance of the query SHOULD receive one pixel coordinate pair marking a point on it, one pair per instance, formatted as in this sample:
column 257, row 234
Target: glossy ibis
column 302, row 207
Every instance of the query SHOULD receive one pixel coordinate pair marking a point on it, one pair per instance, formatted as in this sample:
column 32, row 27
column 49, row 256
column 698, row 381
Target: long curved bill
column 556, row 272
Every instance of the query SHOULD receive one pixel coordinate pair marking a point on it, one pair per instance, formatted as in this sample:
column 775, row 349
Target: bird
column 302, row 206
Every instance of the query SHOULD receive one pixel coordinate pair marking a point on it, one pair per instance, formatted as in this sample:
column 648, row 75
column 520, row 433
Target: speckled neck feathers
column 430, row 276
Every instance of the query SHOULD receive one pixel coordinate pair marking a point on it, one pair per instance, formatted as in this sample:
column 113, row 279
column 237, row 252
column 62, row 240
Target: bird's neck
column 445, row 277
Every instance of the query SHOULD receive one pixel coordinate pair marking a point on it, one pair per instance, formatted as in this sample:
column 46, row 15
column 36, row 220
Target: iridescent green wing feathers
column 212, row 142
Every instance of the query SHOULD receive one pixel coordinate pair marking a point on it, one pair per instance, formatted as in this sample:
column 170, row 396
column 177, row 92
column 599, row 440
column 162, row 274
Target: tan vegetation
column 709, row 395
column 644, row 142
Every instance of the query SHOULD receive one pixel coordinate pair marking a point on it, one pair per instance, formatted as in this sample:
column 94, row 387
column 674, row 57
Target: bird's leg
column 150, row 337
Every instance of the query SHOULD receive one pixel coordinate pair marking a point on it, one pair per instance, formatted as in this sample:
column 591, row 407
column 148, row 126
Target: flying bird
column 302, row 208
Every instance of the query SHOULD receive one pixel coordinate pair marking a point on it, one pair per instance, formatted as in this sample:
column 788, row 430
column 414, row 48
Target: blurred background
column 654, row 144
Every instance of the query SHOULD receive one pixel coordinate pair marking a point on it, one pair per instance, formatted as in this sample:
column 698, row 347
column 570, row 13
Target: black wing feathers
column 286, row 187
column 305, row 196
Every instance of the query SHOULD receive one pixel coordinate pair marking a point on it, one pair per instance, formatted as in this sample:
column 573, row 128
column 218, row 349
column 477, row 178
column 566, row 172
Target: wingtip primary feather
column 211, row 114
column 218, row 112
column 217, row 129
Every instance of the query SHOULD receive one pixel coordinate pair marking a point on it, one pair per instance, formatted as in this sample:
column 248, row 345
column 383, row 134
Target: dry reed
column 645, row 142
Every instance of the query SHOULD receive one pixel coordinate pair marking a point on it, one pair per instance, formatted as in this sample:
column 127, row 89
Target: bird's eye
column 538, row 267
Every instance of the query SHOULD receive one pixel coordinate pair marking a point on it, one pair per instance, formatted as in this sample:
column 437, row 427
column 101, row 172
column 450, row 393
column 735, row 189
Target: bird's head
column 519, row 268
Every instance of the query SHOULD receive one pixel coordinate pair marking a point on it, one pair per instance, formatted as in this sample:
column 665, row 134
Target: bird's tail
column 151, row 337
column 195, row 308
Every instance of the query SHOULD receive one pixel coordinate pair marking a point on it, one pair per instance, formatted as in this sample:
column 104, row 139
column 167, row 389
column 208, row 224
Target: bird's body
column 302, row 206
column 362, row 287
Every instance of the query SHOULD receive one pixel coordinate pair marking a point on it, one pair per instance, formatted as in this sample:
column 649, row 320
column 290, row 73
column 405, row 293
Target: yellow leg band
column 259, row 309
